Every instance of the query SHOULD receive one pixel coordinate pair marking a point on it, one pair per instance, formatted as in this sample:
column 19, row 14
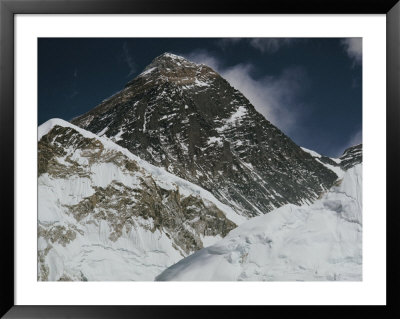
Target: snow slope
column 80, row 240
column 292, row 243
column 320, row 159
column 163, row 177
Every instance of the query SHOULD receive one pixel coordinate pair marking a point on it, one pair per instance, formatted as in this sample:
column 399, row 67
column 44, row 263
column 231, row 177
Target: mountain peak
column 176, row 69
column 186, row 118
column 171, row 56
column 169, row 61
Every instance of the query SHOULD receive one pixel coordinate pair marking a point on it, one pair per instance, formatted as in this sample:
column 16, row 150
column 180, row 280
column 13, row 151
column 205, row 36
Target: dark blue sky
column 309, row 88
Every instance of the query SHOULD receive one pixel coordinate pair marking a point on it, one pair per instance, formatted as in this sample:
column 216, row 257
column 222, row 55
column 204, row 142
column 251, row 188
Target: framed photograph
column 161, row 159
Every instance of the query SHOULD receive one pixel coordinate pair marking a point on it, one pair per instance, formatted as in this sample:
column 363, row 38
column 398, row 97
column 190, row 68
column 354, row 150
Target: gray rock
column 186, row 118
column 351, row 156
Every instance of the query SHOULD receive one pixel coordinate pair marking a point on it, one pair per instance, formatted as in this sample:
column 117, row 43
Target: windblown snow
column 322, row 241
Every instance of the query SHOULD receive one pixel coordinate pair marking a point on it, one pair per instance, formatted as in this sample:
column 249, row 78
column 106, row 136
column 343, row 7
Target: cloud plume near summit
column 353, row 48
column 263, row 45
column 275, row 97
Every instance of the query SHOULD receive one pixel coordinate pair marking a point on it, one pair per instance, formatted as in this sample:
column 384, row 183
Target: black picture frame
column 8, row 10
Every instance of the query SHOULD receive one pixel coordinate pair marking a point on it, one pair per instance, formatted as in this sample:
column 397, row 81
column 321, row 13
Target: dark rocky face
column 351, row 156
column 188, row 119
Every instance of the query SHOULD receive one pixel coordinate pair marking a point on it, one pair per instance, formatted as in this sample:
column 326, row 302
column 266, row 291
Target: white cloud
column 202, row 56
column 128, row 59
column 264, row 45
column 270, row 45
column 353, row 48
column 226, row 42
column 275, row 97
column 354, row 139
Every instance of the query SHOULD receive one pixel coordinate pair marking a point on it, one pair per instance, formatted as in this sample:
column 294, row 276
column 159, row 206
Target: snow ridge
column 158, row 172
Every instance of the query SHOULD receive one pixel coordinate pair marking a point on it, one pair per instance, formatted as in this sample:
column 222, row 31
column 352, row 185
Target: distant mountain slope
column 105, row 214
column 292, row 243
column 186, row 118
column 351, row 156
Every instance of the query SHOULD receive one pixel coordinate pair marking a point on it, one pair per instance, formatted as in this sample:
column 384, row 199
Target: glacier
column 317, row 242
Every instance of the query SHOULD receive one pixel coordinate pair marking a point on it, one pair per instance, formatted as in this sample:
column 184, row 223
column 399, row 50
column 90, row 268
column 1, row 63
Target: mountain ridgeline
column 105, row 214
column 186, row 118
column 351, row 157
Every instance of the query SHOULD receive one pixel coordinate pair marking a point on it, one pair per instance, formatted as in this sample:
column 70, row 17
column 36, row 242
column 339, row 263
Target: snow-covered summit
column 47, row 126
column 172, row 60
column 168, row 66
column 167, row 55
